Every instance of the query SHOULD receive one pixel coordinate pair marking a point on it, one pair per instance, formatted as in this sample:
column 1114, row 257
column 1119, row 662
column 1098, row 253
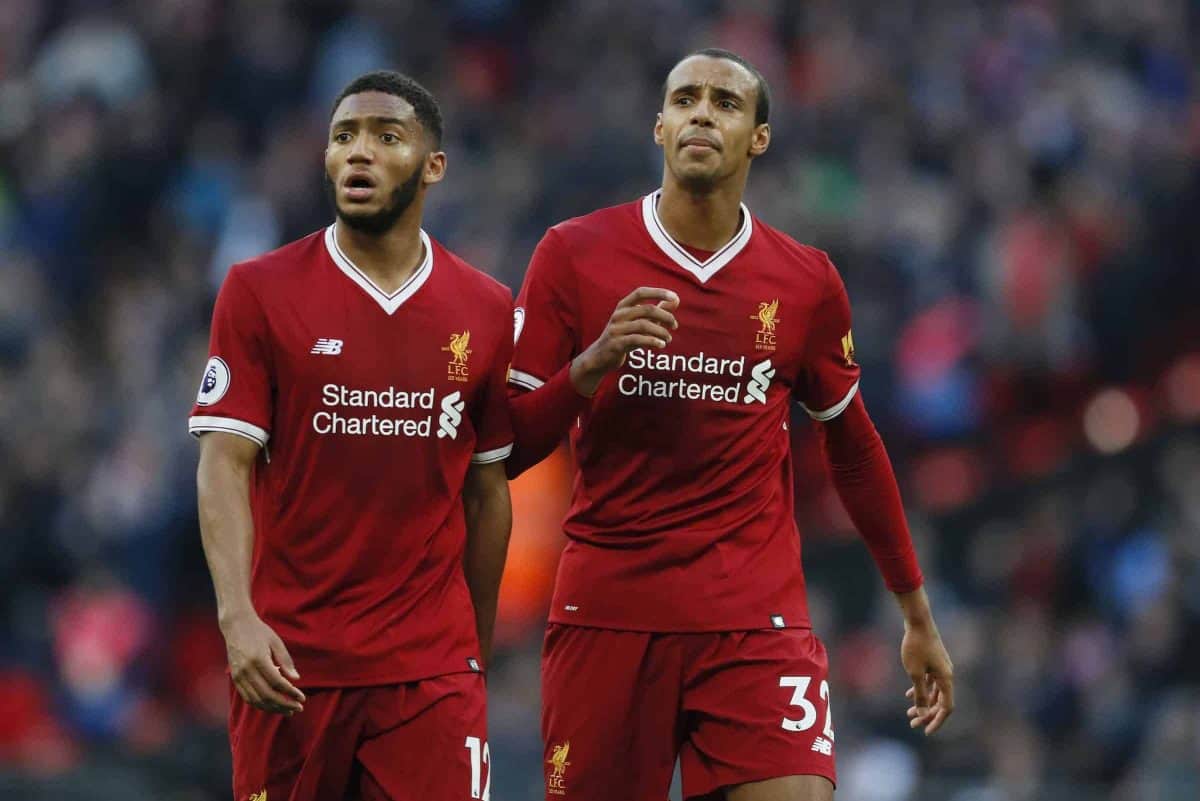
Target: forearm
column 541, row 419
column 488, row 510
column 226, row 530
column 863, row 477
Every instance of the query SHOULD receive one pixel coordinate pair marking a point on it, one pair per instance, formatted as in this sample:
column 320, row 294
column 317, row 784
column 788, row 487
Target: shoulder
column 600, row 224
column 473, row 284
column 280, row 264
column 807, row 264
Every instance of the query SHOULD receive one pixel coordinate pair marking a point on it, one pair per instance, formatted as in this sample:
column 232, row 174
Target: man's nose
column 361, row 150
column 702, row 113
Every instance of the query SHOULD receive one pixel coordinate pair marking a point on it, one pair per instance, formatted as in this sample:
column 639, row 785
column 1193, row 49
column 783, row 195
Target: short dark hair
column 762, row 106
column 429, row 114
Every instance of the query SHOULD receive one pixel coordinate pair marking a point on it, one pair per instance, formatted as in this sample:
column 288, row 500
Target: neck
column 705, row 219
column 388, row 258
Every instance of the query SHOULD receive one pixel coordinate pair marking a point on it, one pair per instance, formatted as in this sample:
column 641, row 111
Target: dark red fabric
column 541, row 419
column 409, row 740
column 618, row 707
column 682, row 515
column 863, row 476
column 373, row 407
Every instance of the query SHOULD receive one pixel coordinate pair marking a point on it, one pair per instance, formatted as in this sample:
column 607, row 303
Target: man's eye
column 342, row 138
column 683, row 101
column 728, row 104
column 389, row 138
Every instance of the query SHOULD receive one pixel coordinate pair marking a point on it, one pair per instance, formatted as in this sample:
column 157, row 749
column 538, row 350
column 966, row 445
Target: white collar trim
column 703, row 270
column 389, row 302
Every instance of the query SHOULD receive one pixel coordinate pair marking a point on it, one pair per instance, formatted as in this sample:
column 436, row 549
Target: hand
column 637, row 322
column 258, row 664
column 928, row 665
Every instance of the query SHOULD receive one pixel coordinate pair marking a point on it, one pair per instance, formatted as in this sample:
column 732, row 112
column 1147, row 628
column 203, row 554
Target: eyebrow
column 695, row 88
column 371, row 118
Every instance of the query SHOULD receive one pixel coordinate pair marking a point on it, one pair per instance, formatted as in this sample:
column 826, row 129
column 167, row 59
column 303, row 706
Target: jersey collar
column 703, row 270
column 391, row 302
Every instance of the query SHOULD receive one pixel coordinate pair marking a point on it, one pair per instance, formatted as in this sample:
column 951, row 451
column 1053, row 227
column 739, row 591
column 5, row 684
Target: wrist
column 585, row 377
column 232, row 614
column 914, row 606
column 920, row 624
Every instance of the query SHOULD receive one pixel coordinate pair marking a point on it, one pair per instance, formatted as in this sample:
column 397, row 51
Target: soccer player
column 353, row 504
column 679, row 624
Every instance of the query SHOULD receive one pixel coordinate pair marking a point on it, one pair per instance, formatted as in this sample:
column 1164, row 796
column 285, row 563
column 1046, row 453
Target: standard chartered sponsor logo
column 411, row 412
column 705, row 378
column 451, row 416
column 760, row 381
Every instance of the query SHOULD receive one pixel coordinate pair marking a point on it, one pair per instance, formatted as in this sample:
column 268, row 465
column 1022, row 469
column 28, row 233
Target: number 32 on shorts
column 799, row 685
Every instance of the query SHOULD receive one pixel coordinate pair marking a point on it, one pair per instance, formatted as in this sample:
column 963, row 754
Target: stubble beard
column 381, row 221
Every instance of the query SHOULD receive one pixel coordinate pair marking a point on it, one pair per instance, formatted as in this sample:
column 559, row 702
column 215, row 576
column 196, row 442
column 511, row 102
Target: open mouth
column 359, row 186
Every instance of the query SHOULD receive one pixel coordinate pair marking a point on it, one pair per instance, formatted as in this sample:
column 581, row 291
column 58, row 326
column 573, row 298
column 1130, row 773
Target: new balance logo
column 760, row 381
column 822, row 746
column 327, row 347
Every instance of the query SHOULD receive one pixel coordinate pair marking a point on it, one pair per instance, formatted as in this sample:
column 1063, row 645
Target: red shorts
column 418, row 741
column 735, row 707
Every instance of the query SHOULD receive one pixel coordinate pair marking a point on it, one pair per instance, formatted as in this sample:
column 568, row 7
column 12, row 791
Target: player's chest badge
column 768, row 318
column 459, row 348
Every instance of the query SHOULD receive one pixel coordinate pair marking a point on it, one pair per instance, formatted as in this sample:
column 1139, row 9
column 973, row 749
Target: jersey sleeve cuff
column 524, row 380
column 825, row 415
column 494, row 455
column 202, row 424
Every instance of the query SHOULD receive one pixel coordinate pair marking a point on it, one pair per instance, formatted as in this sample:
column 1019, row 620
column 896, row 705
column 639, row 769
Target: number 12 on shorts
column 809, row 718
column 480, row 756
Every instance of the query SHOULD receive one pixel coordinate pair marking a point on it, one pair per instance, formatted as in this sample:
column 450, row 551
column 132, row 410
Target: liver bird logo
column 768, row 316
column 259, row 796
column 558, row 759
column 459, row 347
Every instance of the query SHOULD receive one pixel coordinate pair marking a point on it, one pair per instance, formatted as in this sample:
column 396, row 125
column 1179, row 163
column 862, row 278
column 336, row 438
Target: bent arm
column 541, row 419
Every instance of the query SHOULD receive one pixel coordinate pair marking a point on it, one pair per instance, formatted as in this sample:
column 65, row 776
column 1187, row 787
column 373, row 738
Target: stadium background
column 1011, row 191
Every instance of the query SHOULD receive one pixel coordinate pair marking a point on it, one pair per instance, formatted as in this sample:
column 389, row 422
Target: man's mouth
column 359, row 186
column 699, row 142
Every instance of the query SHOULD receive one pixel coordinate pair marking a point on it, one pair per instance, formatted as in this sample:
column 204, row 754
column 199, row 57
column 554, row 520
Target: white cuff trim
column 495, row 455
column 833, row 411
column 201, row 424
column 524, row 380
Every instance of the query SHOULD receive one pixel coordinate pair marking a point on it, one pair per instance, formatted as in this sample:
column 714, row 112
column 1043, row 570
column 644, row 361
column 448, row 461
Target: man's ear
column 761, row 140
column 435, row 167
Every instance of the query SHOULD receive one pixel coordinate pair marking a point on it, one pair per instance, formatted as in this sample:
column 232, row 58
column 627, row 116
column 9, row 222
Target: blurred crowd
column 1010, row 189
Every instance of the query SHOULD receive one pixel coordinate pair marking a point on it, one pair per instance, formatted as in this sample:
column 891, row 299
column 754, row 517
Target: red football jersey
column 369, row 408
column 682, row 511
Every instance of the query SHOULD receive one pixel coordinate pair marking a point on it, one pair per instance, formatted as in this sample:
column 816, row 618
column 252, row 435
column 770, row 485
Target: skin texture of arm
column 488, row 511
column 259, row 663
